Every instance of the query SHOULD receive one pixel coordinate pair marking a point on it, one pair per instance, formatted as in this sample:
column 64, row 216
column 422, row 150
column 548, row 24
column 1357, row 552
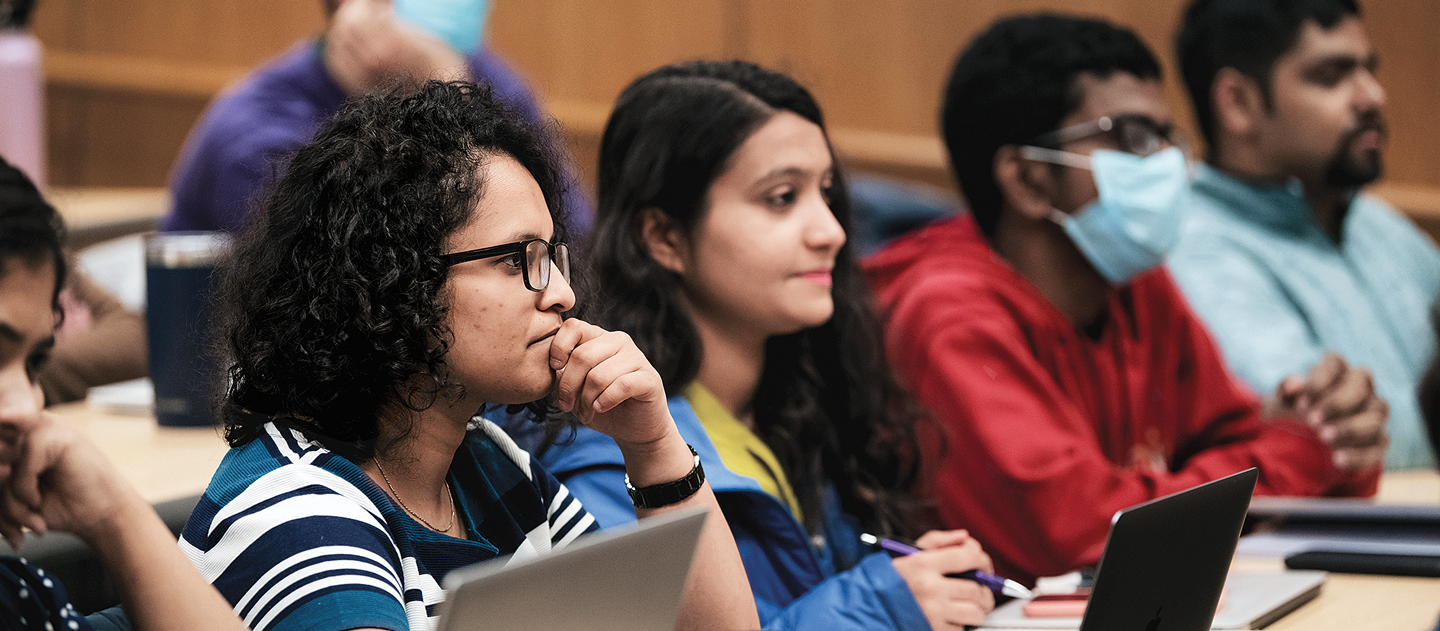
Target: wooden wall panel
column 128, row 78
column 104, row 138
column 129, row 74
column 589, row 50
column 1404, row 32
column 890, row 79
column 579, row 54
column 197, row 31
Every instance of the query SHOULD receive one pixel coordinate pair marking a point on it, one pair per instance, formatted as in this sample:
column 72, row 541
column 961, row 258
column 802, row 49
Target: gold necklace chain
column 413, row 513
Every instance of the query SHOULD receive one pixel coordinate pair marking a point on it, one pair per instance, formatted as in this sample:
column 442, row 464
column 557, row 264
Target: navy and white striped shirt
column 298, row 537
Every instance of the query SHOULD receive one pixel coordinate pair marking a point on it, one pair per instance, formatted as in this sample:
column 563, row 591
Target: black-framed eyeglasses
column 1133, row 133
column 536, row 259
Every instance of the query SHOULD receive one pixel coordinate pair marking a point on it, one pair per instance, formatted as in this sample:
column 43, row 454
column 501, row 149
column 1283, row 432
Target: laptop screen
column 1165, row 562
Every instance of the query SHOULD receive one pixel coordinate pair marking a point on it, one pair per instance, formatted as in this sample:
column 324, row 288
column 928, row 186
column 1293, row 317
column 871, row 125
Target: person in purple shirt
column 234, row 152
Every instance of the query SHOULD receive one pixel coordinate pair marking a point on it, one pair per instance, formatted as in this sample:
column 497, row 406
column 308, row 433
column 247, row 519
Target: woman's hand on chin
column 58, row 480
column 608, row 384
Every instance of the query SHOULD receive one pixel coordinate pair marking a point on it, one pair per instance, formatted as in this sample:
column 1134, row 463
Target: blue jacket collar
column 694, row 433
column 590, row 448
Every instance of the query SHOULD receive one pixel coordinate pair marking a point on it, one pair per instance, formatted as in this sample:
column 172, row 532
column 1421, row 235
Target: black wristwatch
column 667, row 493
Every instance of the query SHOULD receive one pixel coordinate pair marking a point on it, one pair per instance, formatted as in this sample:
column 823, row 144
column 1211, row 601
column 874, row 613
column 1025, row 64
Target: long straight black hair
column 826, row 404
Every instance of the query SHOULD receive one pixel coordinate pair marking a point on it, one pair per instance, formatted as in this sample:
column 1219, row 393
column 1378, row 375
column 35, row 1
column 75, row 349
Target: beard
column 1350, row 167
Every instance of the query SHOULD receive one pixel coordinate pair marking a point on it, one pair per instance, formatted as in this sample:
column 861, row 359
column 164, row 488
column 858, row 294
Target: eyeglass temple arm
column 1076, row 131
column 1055, row 156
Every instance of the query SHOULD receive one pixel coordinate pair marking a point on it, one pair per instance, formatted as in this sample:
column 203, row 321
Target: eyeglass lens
column 538, row 263
column 1140, row 136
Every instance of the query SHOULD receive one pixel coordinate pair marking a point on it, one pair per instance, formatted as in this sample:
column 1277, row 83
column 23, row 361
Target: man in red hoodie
column 1069, row 375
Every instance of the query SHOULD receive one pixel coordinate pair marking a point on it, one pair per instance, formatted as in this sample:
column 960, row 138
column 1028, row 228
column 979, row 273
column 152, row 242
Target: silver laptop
column 1164, row 564
column 1253, row 600
column 627, row 578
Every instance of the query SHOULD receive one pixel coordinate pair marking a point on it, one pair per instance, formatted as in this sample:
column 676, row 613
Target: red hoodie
column 1051, row 431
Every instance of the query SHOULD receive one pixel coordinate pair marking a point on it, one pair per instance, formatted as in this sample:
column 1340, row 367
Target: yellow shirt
column 740, row 449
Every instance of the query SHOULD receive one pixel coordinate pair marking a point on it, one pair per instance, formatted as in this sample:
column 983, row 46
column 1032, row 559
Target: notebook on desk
column 1346, row 535
column 1342, row 512
column 624, row 579
column 1164, row 564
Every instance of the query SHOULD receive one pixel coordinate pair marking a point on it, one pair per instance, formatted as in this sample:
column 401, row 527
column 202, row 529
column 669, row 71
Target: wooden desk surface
column 1361, row 601
column 167, row 463
column 94, row 214
column 1353, row 602
column 1410, row 487
column 164, row 463
column 87, row 206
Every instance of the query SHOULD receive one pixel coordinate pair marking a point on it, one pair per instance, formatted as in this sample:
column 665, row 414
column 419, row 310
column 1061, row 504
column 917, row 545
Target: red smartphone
column 1069, row 605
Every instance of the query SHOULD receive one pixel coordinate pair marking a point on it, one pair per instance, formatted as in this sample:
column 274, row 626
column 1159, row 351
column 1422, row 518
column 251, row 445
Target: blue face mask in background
column 460, row 23
column 1136, row 219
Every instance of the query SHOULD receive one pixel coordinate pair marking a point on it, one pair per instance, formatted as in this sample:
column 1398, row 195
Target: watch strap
column 667, row 493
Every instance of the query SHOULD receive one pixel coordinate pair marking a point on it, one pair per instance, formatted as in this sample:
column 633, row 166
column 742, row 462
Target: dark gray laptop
column 1164, row 564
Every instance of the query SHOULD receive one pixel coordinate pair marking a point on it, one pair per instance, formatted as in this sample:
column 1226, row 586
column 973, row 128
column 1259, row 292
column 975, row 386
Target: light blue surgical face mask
column 1136, row 219
column 459, row 22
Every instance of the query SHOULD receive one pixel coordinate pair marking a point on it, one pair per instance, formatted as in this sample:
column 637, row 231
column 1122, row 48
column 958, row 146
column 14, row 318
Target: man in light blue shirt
column 1280, row 255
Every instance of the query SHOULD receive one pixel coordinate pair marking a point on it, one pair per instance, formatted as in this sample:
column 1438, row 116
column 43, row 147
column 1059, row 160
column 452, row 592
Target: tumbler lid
column 185, row 249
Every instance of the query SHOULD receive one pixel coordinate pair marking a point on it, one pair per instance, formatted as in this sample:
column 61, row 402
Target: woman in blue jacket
column 719, row 246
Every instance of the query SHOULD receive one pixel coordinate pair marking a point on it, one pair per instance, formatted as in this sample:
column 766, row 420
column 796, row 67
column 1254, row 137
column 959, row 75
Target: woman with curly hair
column 720, row 247
column 409, row 266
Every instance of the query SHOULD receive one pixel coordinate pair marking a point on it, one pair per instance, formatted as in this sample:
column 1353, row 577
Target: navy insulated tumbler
column 179, row 281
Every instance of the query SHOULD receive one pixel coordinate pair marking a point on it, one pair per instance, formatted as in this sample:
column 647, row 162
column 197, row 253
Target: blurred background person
column 1281, row 254
column 231, row 154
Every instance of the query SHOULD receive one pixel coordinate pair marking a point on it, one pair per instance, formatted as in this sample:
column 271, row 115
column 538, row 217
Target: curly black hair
column 332, row 303
column 30, row 229
column 827, row 404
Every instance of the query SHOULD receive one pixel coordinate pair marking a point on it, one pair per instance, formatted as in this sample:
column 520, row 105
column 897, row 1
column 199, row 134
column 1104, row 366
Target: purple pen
column 996, row 584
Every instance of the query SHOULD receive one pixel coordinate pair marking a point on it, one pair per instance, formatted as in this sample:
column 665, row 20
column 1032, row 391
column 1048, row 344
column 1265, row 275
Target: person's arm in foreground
column 104, row 344
column 52, row 479
column 606, row 382
column 883, row 593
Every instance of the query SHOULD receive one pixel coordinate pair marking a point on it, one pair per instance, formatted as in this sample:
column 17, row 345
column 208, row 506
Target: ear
column 1027, row 186
column 1237, row 101
column 663, row 240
